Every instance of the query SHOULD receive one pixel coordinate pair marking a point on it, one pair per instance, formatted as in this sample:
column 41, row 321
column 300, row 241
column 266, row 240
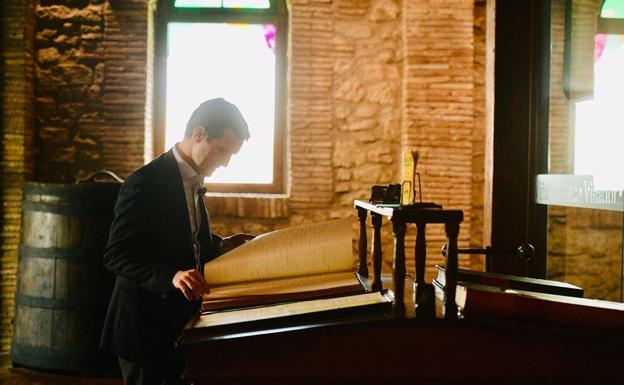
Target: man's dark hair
column 215, row 115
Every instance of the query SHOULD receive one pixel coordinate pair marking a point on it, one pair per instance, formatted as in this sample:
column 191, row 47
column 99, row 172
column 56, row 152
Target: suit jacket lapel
column 176, row 192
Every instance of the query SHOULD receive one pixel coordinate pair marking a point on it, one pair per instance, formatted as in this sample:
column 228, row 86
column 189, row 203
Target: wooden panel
column 520, row 131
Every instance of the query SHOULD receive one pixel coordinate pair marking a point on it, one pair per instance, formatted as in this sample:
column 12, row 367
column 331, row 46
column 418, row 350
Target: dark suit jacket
column 150, row 240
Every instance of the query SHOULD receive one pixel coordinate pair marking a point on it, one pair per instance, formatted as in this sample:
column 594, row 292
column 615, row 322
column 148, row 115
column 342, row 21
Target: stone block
column 49, row 78
column 55, row 13
column 45, row 106
column 368, row 136
column 372, row 173
column 342, row 110
column 358, row 124
column 383, row 93
column 349, row 89
column 89, row 155
column 384, row 10
column 45, row 36
column 65, row 154
column 354, row 30
column 94, row 94
column 48, row 56
column 77, row 74
column 92, row 13
column 59, row 135
column 380, row 71
column 366, row 110
column 66, row 41
column 343, row 174
column 71, row 110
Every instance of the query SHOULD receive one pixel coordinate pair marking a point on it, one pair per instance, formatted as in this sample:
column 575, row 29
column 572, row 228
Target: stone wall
column 90, row 87
column 367, row 79
column 363, row 87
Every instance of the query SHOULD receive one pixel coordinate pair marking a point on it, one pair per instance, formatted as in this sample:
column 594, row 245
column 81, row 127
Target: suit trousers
column 164, row 372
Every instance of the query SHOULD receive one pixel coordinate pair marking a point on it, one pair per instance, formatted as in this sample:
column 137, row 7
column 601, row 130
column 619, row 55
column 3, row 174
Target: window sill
column 266, row 206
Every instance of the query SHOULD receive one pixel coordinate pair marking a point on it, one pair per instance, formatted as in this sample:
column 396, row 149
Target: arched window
column 235, row 49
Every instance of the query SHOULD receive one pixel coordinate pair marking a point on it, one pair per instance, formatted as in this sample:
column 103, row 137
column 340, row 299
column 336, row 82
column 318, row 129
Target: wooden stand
column 425, row 350
column 421, row 215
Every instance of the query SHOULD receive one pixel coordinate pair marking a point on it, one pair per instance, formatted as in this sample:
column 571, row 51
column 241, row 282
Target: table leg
column 363, row 243
column 420, row 254
column 424, row 296
column 450, row 306
column 376, row 221
column 398, row 268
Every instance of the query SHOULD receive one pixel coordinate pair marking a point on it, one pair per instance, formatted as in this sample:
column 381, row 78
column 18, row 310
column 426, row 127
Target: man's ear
column 198, row 134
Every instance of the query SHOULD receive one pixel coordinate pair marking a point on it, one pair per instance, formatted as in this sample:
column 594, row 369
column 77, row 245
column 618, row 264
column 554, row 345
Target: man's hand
column 234, row 241
column 191, row 283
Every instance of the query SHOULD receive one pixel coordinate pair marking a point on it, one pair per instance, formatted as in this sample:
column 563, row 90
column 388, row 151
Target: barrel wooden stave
column 63, row 289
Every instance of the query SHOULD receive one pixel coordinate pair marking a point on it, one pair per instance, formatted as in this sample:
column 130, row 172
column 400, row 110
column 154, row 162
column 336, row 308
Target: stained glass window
column 258, row 4
column 235, row 49
column 202, row 65
column 598, row 121
column 612, row 9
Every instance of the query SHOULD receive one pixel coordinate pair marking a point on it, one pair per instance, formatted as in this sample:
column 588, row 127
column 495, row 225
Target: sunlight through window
column 599, row 129
column 260, row 4
column 233, row 61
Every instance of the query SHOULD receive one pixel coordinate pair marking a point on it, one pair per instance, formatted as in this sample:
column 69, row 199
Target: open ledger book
column 300, row 262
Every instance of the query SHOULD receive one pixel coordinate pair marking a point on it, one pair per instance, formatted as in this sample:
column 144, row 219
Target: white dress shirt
column 191, row 181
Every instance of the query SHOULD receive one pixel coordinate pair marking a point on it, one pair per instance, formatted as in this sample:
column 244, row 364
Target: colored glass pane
column 253, row 4
column 246, row 4
column 612, row 9
column 233, row 61
column 198, row 3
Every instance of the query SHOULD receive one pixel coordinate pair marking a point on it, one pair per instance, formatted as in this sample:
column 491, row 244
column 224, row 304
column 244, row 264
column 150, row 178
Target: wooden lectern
column 371, row 349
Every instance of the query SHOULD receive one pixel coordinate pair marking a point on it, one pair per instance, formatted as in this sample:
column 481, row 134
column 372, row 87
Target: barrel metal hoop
column 73, row 209
column 69, row 190
column 78, row 254
column 42, row 357
column 52, row 303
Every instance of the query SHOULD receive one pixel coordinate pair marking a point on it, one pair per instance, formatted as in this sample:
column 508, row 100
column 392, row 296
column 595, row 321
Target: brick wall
column 478, row 134
column 368, row 78
column 16, row 127
column 439, row 105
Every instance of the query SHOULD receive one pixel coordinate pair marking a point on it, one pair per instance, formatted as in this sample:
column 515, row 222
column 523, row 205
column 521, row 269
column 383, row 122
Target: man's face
column 210, row 154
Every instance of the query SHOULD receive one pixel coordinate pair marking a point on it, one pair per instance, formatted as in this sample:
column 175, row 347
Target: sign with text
column 576, row 191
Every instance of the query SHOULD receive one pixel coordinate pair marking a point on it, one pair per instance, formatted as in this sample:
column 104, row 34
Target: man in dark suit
column 160, row 239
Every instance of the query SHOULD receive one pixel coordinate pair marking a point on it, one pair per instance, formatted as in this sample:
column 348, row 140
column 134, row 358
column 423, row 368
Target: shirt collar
column 187, row 172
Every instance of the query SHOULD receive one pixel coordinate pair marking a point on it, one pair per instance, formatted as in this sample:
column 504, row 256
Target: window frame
column 609, row 26
column 276, row 14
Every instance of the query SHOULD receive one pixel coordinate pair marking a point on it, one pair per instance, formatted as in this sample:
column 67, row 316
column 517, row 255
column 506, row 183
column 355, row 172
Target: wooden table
column 373, row 349
column 420, row 214
column 403, row 351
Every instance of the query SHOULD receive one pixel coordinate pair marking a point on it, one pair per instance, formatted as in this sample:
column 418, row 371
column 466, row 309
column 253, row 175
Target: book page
column 307, row 249
column 284, row 285
column 283, row 310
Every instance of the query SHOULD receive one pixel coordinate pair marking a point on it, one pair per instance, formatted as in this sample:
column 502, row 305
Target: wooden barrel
column 63, row 289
